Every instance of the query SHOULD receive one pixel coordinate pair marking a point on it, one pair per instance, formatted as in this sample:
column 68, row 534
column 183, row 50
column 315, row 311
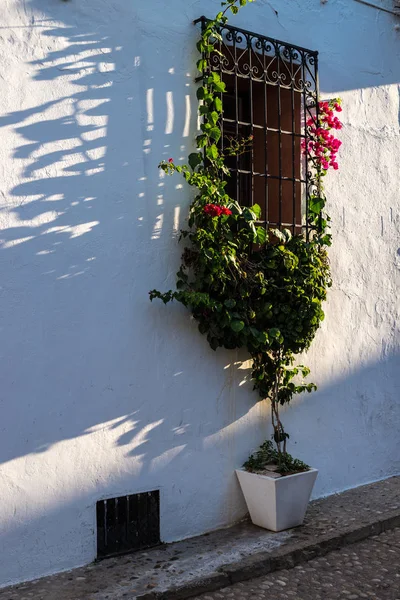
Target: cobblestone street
column 369, row 570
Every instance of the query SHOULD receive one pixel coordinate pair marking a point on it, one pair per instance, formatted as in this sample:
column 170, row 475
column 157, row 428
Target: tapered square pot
column 277, row 503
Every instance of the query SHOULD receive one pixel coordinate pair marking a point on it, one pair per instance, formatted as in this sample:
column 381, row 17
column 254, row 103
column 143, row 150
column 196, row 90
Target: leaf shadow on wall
column 91, row 228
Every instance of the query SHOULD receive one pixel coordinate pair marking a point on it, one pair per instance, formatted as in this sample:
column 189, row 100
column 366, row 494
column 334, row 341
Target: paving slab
column 213, row 561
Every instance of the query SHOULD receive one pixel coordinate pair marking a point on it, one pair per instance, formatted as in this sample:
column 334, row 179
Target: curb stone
column 263, row 563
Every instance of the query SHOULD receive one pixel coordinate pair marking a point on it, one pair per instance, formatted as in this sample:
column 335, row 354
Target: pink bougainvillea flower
column 323, row 145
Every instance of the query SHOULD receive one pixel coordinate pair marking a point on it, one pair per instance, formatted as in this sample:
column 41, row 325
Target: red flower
column 225, row 211
column 212, row 210
column 170, row 160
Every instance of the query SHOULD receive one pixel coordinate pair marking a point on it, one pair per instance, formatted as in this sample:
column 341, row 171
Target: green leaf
column 247, row 214
column 316, row 204
column 287, row 234
column 214, row 343
column 195, row 158
column 218, row 104
column 274, row 333
column 256, row 208
column 220, row 87
column 261, row 235
column 201, row 92
column 230, row 303
column 234, row 10
column 215, row 133
column 201, row 64
column 213, row 117
column 204, row 110
column 279, row 234
column 235, row 208
column 326, row 240
column 201, row 141
column 203, row 327
column 237, row 326
column 212, row 152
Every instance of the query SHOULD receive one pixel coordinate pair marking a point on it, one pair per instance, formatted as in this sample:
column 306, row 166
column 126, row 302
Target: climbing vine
column 247, row 286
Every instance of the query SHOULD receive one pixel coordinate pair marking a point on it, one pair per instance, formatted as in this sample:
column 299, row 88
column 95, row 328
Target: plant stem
column 279, row 433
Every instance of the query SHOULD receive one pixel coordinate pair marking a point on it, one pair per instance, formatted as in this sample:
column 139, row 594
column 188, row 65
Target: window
column 272, row 92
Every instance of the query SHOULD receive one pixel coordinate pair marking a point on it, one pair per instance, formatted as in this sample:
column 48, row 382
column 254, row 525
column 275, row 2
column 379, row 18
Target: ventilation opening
column 128, row 523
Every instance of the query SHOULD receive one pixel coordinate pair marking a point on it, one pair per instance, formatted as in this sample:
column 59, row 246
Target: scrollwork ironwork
column 247, row 60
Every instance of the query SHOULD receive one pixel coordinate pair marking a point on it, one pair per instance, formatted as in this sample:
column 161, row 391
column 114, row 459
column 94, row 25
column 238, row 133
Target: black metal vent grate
column 128, row 523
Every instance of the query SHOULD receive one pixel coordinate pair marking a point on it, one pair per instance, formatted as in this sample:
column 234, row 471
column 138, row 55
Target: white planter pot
column 277, row 503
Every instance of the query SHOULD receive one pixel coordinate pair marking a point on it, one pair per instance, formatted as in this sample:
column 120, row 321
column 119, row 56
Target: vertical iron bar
column 203, row 56
column 304, row 75
column 116, row 528
column 265, row 139
column 236, row 117
column 279, row 132
column 100, row 528
column 317, row 119
column 221, row 119
column 251, row 122
column 105, row 524
column 293, row 142
column 127, row 520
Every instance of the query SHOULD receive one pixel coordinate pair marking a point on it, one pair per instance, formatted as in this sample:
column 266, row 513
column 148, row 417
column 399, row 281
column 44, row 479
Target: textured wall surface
column 103, row 393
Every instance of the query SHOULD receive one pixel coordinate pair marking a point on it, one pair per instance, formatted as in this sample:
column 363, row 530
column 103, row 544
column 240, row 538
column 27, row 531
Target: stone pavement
column 210, row 562
column 369, row 569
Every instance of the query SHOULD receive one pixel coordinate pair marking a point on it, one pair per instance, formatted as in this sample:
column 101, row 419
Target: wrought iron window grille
column 272, row 93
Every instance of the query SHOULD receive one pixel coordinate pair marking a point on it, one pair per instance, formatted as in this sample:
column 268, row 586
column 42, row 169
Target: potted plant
column 252, row 287
column 276, row 488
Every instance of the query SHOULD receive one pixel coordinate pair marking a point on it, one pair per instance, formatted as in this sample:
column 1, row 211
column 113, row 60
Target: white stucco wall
column 103, row 393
